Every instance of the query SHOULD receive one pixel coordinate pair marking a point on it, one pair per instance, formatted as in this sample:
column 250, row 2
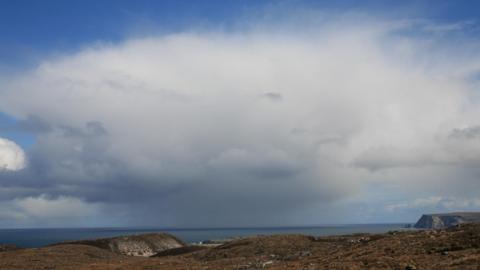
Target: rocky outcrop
column 440, row 221
column 8, row 247
column 144, row 245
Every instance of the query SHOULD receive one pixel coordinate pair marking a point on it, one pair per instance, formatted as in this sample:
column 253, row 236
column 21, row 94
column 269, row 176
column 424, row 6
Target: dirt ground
column 455, row 248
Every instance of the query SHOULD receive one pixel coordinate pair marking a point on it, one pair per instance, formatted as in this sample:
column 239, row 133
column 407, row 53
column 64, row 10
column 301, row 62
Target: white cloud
column 64, row 206
column 45, row 211
column 187, row 113
column 12, row 157
column 436, row 203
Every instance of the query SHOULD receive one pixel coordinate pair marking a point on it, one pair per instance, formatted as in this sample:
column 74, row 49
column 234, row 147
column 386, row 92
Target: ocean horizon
column 38, row 237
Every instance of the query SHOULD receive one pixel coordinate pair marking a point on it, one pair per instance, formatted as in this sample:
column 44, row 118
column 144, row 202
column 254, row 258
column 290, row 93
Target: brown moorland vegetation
column 453, row 248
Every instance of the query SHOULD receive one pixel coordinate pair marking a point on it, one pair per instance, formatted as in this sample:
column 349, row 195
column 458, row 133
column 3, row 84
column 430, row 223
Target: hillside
column 454, row 248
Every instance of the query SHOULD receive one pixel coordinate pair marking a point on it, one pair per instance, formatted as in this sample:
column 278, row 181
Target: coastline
column 38, row 237
column 453, row 248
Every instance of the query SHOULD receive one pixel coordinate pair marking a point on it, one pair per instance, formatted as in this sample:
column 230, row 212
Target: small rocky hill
column 134, row 245
column 445, row 220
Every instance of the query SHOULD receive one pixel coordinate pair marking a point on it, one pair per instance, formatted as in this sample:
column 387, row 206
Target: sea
column 32, row 238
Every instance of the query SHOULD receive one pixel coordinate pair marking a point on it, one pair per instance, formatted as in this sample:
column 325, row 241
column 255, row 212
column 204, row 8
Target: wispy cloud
column 435, row 204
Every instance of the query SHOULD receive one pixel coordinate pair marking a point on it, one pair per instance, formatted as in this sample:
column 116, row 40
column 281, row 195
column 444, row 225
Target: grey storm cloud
column 177, row 130
column 273, row 96
column 91, row 129
column 31, row 124
column 466, row 133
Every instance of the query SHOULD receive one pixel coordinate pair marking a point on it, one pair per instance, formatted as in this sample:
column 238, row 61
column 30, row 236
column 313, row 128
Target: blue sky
column 7, row 124
column 120, row 111
column 32, row 28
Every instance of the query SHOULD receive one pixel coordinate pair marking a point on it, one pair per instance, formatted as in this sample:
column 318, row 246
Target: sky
column 237, row 113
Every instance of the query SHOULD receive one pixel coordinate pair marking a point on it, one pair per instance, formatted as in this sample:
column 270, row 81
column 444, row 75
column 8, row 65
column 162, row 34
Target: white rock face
column 12, row 157
column 440, row 221
column 144, row 245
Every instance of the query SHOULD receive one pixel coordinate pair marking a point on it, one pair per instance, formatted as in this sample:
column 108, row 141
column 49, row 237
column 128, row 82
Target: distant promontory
column 445, row 220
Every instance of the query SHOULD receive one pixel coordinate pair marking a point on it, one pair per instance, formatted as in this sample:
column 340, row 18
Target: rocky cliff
column 134, row 245
column 439, row 221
